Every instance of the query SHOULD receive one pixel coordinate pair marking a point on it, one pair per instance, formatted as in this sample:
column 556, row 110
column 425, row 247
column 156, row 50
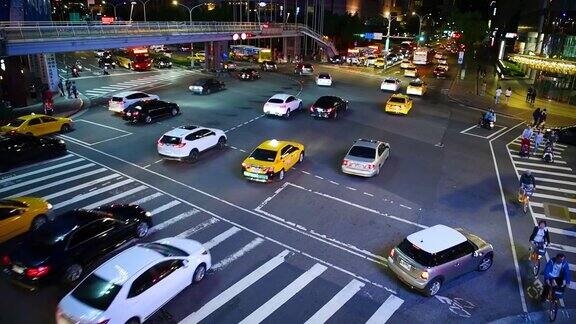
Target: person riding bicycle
column 540, row 236
column 556, row 274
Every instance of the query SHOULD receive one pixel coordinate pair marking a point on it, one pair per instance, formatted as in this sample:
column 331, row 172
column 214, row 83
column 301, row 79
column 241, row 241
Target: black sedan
column 107, row 62
column 248, row 74
column 63, row 248
column 19, row 149
column 328, row 107
column 207, row 86
column 269, row 66
column 439, row 72
column 146, row 111
column 163, row 62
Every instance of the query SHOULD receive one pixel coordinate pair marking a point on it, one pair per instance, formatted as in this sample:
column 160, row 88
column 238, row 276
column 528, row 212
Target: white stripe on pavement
column 535, row 158
column 563, row 248
column 81, row 186
column 571, row 183
column 59, row 182
column 116, row 197
column 556, row 146
column 96, row 92
column 561, row 231
column 50, row 176
column 235, row 289
column 198, row 227
column 221, row 237
column 541, row 205
column 284, row 295
column 146, row 199
column 331, row 307
column 568, row 191
column 27, row 174
column 548, row 172
column 553, row 197
column 238, row 254
column 173, row 220
column 383, row 314
column 542, row 216
column 92, row 193
column 542, row 165
column 165, row 207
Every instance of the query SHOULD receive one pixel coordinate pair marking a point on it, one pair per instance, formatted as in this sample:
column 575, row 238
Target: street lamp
column 420, row 18
column 210, row 6
column 114, row 6
column 132, row 4
column 144, row 6
column 389, row 18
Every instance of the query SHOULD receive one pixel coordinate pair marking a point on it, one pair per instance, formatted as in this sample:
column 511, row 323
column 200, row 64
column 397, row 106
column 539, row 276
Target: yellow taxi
column 380, row 63
column 398, row 104
column 19, row 215
column 271, row 159
column 38, row 125
column 199, row 57
column 411, row 71
column 417, row 87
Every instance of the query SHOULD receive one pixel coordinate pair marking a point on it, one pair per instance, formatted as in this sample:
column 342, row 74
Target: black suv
column 18, row 149
column 248, row 74
column 328, row 107
column 207, row 86
column 146, row 111
column 163, row 62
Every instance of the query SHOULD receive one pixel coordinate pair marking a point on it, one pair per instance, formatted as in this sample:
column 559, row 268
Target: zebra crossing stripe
column 383, row 314
column 59, row 182
column 81, row 186
column 27, row 174
column 116, row 197
column 330, row 308
column 92, row 193
column 50, row 176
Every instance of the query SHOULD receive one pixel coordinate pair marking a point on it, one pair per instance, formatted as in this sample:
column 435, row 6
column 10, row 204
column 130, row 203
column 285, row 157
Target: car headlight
column 49, row 206
column 61, row 142
column 148, row 214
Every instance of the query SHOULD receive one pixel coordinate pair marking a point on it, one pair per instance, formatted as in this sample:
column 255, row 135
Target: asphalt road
column 336, row 229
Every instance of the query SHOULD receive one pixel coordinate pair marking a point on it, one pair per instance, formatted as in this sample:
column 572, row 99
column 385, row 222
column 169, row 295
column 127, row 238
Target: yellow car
column 38, row 125
column 411, row 71
column 199, row 57
column 417, row 87
column 380, row 63
column 271, row 159
column 398, row 104
column 19, row 215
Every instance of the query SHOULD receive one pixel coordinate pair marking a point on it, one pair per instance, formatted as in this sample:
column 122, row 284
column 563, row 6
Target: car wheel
column 193, row 156
column 174, row 112
column 72, row 273
column 133, row 320
column 287, row 115
column 300, row 105
column 142, row 229
column 486, row 262
column 37, row 222
column 301, row 157
column 148, row 119
column 208, row 91
column 199, row 273
column 335, row 114
column 65, row 128
column 433, row 287
column 221, row 142
column 281, row 175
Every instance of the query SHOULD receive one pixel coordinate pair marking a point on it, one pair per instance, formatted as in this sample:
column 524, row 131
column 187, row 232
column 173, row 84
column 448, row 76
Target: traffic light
column 421, row 38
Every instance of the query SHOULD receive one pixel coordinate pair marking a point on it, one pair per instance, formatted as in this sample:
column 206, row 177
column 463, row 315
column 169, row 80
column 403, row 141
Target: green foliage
column 472, row 26
column 342, row 28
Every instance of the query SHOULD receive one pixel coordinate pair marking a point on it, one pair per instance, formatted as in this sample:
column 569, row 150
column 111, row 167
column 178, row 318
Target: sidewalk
column 464, row 92
column 63, row 107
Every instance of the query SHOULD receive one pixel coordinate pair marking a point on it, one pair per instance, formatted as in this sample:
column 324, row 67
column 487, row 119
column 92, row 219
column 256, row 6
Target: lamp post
column 114, row 6
column 420, row 19
column 190, row 9
column 389, row 18
column 132, row 4
column 144, row 6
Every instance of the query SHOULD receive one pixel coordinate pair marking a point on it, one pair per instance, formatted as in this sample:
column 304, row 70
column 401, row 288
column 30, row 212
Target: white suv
column 282, row 104
column 124, row 99
column 133, row 285
column 187, row 142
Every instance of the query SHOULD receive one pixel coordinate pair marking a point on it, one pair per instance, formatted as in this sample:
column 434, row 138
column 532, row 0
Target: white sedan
column 187, row 142
column 133, row 285
column 390, row 84
column 324, row 79
column 282, row 104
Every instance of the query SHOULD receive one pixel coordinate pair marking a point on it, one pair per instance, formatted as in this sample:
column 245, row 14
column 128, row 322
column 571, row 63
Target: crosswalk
column 72, row 182
column 554, row 199
column 138, row 82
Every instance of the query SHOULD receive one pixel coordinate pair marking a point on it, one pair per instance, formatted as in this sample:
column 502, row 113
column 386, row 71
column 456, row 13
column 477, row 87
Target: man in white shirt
column 497, row 96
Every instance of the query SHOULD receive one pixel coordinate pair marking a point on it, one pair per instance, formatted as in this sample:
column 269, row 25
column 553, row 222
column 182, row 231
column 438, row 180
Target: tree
column 472, row 27
column 341, row 28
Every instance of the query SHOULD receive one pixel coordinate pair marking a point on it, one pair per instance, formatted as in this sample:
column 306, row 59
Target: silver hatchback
column 427, row 259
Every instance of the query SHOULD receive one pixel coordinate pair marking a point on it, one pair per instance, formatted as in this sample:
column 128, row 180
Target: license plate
column 405, row 265
column 255, row 175
column 255, row 169
column 17, row 269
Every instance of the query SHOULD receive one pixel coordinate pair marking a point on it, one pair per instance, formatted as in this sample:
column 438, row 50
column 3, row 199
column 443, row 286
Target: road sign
column 369, row 35
column 378, row 36
column 460, row 57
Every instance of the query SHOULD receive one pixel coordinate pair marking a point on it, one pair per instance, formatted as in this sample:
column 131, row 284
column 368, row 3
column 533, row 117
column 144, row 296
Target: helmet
column 528, row 172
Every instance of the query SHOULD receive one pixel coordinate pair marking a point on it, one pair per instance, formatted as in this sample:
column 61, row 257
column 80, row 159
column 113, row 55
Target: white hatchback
column 282, row 104
column 390, row 84
column 187, row 142
column 133, row 285
column 324, row 79
column 124, row 99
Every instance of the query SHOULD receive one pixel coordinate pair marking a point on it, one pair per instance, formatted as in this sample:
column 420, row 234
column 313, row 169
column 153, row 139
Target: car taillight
column 180, row 145
column 311, row 108
column 269, row 169
column 424, row 275
column 345, row 162
column 245, row 165
column 369, row 166
column 159, row 142
column 392, row 252
column 330, row 109
column 37, row 272
column 6, row 260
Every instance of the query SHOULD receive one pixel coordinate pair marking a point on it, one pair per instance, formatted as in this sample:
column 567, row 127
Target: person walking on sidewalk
column 68, row 88
column 538, row 139
column 533, row 97
column 542, row 120
column 61, row 87
column 74, row 90
column 529, row 94
column 497, row 96
column 508, row 94
column 536, row 116
column 483, row 88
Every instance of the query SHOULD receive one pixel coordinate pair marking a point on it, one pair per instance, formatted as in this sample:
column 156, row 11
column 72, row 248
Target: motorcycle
column 548, row 155
column 75, row 72
column 485, row 123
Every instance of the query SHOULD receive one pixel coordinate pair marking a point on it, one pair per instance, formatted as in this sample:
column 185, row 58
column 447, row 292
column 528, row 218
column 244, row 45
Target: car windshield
column 308, row 66
column 397, row 100
column 16, row 203
column 420, row 256
column 324, row 76
column 167, row 139
column 276, row 100
column 363, row 152
column 390, row 81
column 140, row 59
column 165, row 250
column 96, row 292
column 200, row 82
column 263, row 155
column 117, row 99
column 416, row 84
column 16, row 122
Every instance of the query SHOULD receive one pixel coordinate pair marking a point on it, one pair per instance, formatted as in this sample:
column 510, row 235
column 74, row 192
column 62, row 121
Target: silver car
column 427, row 259
column 365, row 158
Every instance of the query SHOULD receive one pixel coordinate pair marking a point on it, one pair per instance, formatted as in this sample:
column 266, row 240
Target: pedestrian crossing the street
column 554, row 199
column 131, row 84
column 309, row 292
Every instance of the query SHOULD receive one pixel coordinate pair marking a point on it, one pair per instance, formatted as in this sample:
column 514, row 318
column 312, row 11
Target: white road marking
column 235, row 289
column 561, row 231
column 284, row 295
column 31, row 173
column 173, row 220
column 541, row 205
column 50, row 176
column 353, row 189
column 570, row 183
column 467, row 129
column 384, row 312
column 368, row 194
column 221, row 237
column 59, row 182
column 564, row 248
column 334, row 182
column 332, row 306
column 165, row 207
column 91, row 194
column 319, row 177
column 549, row 172
column 115, row 197
column 96, row 92
column 146, row 199
column 556, row 159
column 238, row 254
column 81, row 186
column 404, row 206
column 198, row 227
column 541, row 165
column 542, row 216
column 568, row 191
column 553, row 197
column 110, row 139
column 305, row 172
column 102, row 125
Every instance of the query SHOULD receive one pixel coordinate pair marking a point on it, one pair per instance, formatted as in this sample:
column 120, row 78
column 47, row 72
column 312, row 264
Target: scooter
column 485, row 123
column 48, row 107
column 75, row 72
column 548, row 155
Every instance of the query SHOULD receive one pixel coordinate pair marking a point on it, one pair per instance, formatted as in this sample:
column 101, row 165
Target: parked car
column 365, row 158
column 328, row 107
column 63, row 248
column 429, row 258
column 269, row 66
column 19, row 149
column 124, row 99
column 146, row 111
column 185, row 143
column 133, row 285
column 248, row 74
column 207, row 86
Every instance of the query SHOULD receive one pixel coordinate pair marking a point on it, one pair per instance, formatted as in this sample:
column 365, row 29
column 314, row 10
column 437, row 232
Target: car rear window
column 324, row 76
column 263, row 155
column 16, row 122
column 325, row 102
column 390, row 81
column 275, row 100
column 420, row 256
column 397, row 100
column 416, row 84
column 363, row 152
column 166, row 139
column 308, row 66
column 96, row 292
column 165, row 250
column 117, row 99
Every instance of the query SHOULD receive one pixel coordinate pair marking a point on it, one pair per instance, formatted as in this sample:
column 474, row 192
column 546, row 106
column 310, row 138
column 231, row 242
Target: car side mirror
column 477, row 254
column 185, row 263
